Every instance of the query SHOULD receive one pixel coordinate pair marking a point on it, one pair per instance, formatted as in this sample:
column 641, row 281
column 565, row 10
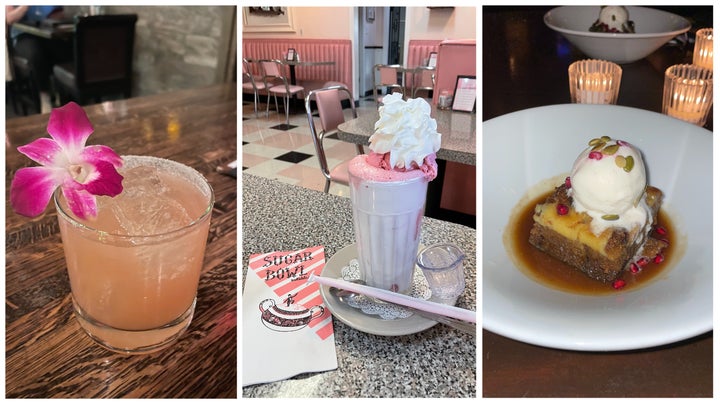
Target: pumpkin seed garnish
column 620, row 161
column 629, row 163
column 610, row 149
column 611, row 217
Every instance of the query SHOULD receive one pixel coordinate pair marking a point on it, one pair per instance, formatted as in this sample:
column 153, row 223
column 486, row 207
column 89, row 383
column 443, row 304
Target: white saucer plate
column 357, row 319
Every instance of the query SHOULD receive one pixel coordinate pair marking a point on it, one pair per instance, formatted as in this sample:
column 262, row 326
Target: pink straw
column 395, row 298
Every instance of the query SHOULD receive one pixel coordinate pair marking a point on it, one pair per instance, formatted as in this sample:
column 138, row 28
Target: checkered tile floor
column 285, row 152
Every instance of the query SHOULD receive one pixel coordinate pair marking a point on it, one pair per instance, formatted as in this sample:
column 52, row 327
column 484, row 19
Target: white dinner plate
column 522, row 151
column 354, row 317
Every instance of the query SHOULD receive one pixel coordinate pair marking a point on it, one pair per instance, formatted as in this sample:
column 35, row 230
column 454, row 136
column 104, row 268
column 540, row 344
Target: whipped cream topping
column 405, row 131
column 608, row 183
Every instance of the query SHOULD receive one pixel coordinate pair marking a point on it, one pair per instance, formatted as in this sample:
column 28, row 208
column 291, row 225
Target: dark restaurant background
column 178, row 47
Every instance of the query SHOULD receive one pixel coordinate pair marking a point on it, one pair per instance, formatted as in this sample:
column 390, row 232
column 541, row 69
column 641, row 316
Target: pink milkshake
column 388, row 188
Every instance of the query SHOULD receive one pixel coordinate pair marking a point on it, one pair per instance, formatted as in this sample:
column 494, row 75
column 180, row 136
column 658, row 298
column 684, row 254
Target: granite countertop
column 457, row 129
column 437, row 362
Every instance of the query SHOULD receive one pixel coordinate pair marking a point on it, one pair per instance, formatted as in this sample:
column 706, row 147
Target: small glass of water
column 442, row 265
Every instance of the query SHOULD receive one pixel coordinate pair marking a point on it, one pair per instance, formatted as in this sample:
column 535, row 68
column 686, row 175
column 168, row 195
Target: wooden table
column 47, row 353
column 439, row 362
column 526, row 66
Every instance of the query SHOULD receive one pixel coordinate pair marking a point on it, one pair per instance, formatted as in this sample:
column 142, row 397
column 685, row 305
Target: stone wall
column 179, row 47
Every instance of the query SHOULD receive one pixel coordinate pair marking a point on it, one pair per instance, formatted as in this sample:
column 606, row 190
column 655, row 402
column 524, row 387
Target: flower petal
column 81, row 203
column 70, row 127
column 105, row 180
column 42, row 150
column 31, row 189
column 95, row 153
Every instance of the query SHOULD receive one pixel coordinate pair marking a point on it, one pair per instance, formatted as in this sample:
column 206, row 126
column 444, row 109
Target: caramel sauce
column 553, row 273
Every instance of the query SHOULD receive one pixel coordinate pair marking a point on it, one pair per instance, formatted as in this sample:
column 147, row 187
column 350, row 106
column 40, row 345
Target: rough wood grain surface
column 47, row 353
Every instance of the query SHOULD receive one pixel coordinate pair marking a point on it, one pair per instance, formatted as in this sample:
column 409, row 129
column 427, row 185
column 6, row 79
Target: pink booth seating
column 455, row 58
column 311, row 50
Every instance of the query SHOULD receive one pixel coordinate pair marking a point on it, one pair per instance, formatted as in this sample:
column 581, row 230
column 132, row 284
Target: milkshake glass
column 388, row 188
column 388, row 209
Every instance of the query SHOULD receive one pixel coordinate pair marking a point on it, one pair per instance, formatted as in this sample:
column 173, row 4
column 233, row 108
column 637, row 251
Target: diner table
column 525, row 66
column 293, row 63
column 47, row 353
column 437, row 362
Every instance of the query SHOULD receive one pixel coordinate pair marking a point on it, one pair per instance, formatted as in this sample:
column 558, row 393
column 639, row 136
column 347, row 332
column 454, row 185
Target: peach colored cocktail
column 134, row 270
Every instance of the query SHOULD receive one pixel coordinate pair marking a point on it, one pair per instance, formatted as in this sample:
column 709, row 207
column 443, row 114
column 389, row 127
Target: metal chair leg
column 287, row 109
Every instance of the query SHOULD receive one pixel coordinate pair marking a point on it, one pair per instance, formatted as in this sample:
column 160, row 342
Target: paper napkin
column 286, row 328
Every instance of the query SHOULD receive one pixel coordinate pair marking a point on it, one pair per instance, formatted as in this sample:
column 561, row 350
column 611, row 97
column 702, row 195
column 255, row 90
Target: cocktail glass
column 134, row 271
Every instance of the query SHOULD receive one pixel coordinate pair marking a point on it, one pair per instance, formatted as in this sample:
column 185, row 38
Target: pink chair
column 277, row 83
column 386, row 76
column 253, row 84
column 330, row 111
column 423, row 79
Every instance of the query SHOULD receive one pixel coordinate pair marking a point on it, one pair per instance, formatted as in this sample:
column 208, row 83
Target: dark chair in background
column 103, row 59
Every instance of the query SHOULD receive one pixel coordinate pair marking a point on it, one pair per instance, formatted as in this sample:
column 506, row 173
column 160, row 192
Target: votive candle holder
column 594, row 81
column 703, row 52
column 688, row 93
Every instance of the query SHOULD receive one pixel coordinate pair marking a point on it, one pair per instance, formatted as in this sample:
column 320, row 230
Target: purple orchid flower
column 82, row 172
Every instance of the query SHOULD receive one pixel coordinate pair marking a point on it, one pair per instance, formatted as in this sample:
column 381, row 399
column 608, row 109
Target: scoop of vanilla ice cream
column 405, row 130
column 614, row 17
column 608, row 181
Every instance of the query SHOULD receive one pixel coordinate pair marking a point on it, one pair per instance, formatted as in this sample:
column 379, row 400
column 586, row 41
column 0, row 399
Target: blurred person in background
column 41, row 53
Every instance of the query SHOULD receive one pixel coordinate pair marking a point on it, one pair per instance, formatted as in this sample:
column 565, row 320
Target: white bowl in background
column 653, row 28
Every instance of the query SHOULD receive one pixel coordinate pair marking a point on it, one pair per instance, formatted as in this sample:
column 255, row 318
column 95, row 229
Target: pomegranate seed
column 661, row 230
column 621, row 142
column 567, row 182
column 659, row 258
column 562, row 209
column 642, row 262
column 667, row 241
column 634, row 268
column 618, row 284
column 597, row 155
